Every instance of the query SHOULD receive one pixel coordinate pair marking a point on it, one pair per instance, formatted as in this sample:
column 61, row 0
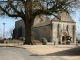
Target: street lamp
column 4, row 30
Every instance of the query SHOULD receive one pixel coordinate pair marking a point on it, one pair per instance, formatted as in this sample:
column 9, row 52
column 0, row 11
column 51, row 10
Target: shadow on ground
column 70, row 52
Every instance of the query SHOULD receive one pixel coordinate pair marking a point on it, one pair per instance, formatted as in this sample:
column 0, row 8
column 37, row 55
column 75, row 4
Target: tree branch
column 22, row 1
column 8, row 13
column 44, row 12
column 21, row 14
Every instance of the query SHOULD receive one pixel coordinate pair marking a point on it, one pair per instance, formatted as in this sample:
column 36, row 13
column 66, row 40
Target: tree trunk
column 29, row 20
column 29, row 34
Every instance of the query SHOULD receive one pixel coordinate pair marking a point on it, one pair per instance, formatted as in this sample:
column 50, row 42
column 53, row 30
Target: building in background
column 54, row 30
column 19, row 30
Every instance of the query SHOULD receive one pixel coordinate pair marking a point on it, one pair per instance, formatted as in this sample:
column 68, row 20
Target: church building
column 54, row 30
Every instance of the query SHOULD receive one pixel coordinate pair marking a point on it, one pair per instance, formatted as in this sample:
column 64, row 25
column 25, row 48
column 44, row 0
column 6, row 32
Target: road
column 12, row 53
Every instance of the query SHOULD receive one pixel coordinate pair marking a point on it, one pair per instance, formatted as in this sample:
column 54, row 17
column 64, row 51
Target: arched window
column 67, row 27
column 58, row 30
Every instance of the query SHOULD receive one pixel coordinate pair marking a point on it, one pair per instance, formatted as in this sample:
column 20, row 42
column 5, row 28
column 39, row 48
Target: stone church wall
column 42, row 32
column 53, row 30
column 59, row 28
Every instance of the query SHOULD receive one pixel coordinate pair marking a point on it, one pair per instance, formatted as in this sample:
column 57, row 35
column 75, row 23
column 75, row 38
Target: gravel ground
column 56, row 53
column 51, row 52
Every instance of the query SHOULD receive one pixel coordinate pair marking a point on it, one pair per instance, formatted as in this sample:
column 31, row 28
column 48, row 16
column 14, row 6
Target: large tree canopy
column 29, row 9
column 14, row 8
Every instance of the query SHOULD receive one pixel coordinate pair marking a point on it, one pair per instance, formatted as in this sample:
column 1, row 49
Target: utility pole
column 4, row 30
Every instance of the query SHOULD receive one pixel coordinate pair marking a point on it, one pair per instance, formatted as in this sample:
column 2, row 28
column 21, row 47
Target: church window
column 67, row 27
column 58, row 30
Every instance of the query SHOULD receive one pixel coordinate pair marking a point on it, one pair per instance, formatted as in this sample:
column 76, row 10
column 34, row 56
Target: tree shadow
column 70, row 52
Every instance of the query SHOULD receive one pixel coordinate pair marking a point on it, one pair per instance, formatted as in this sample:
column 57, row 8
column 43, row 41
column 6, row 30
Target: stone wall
column 59, row 27
column 53, row 30
column 42, row 31
column 19, row 29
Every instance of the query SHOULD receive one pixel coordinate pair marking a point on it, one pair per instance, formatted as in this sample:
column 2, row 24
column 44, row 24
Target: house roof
column 41, row 22
column 64, row 17
column 19, row 20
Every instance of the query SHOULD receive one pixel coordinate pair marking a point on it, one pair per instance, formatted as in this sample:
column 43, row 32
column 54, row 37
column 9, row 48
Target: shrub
column 44, row 41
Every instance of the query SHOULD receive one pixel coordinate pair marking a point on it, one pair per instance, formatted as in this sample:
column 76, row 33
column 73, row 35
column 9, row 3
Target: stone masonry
column 53, row 29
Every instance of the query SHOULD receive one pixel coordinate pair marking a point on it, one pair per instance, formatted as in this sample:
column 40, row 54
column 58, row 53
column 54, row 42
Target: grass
column 37, row 42
column 14, row 41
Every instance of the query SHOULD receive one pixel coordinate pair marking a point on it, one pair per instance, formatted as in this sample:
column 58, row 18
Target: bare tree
column 29, row 9
column 0, row 35
column 11, row 32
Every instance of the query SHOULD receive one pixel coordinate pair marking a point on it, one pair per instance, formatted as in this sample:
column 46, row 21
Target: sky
column 76, row 17
column 10, row 23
